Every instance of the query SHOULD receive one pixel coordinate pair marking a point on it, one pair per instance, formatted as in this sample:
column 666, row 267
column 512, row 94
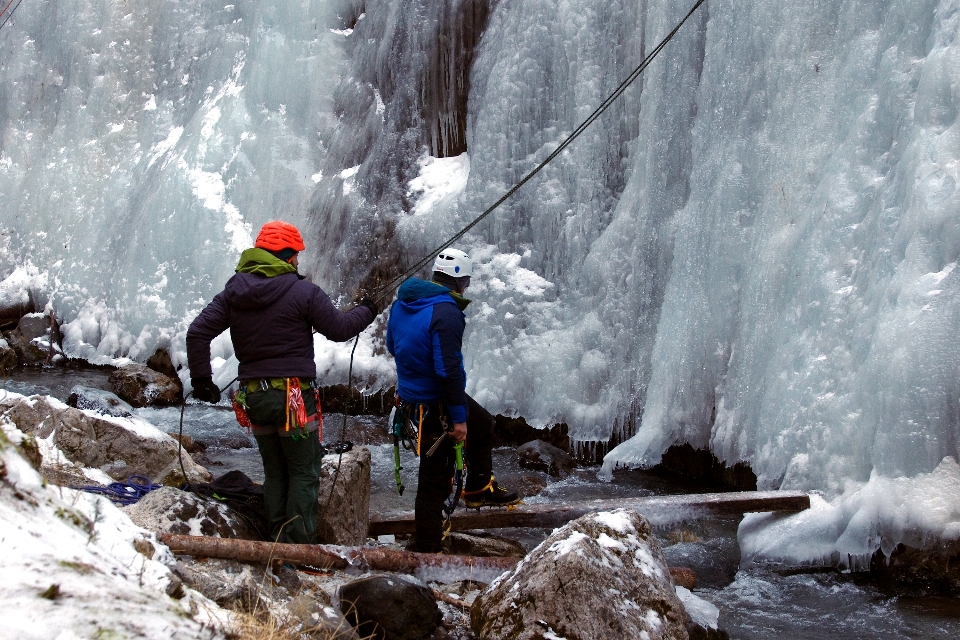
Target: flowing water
column 754, row 602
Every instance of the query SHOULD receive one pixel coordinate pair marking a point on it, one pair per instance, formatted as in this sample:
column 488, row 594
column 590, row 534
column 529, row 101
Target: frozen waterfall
column 753, row 251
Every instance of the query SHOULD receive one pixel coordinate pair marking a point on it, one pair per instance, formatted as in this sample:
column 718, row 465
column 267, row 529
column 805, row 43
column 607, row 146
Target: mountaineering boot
column 492, row 495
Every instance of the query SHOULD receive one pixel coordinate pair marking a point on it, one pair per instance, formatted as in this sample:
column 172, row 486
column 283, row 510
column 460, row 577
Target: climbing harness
column 395, row 282
column 123, row 493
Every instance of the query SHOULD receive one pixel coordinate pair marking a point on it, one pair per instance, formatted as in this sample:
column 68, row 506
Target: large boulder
column 141, row 386
column 391, row 607
column 170, row 510
column 120, row 447
column 600, row 576
column 31, row 340
column 543, row 456
column 344, row 513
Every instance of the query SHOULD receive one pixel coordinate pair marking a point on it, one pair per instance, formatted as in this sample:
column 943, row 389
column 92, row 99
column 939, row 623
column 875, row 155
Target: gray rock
column 480, row 543
column 236, row 440
column 319, row 619
column 118, row 446
column 30, row 340
column 170, row 510
column 391, row 606
column 141, row 386
column 543, row 456
column 600, row 576
column 344, row 515
column 231, row 584
column 104, row 402
column 160, row 361
column 238, row 585
column 35, row 325
column 8, row 358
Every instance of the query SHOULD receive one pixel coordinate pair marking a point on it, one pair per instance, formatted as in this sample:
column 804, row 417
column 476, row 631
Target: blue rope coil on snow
column 124, row 493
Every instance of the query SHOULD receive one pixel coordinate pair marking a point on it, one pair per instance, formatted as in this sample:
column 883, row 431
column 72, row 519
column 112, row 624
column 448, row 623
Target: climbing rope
column 395, row 282
column 9, row 15
column 123, row 493
column 183, row 407
column 344, row 446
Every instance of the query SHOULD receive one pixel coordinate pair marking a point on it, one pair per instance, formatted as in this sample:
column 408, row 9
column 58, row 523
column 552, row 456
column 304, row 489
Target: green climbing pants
column 291, row 484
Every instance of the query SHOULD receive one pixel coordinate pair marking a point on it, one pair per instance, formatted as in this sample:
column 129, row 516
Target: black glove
column 205, row 391
column 371, row 304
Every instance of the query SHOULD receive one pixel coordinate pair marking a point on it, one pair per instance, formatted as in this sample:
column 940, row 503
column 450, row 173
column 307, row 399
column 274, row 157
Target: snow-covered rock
column 170, row 510
column 118, row 447
column 600, row 576
column 74, row 566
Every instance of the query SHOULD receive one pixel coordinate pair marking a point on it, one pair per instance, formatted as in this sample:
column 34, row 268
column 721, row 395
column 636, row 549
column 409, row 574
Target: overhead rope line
column 392, row 284
column 9, row 15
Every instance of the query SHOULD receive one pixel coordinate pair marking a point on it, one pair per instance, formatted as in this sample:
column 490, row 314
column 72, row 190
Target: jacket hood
column 263, row 263
column 420, row 293
column 261, row 280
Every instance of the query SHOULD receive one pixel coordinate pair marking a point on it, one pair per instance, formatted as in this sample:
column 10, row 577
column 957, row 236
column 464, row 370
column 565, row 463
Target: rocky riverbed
column 753, row 602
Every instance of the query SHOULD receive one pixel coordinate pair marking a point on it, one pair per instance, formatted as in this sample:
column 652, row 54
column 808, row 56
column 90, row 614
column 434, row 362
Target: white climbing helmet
column 454, row 263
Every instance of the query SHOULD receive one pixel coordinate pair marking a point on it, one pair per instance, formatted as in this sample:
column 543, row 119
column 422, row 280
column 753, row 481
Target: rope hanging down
column 9, row 15
column 392, row 284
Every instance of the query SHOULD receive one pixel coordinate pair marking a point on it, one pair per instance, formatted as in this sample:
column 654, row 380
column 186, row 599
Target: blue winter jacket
column 425, row 337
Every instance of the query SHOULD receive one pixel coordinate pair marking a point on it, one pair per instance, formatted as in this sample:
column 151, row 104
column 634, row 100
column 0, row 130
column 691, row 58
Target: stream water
column 755, row 602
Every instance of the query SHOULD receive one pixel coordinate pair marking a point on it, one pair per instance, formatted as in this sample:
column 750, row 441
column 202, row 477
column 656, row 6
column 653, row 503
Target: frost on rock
column 83, row 443
column 75, row 566
column 601, row 576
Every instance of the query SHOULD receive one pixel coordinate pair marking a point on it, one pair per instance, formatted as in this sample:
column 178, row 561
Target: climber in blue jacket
column 425, row 337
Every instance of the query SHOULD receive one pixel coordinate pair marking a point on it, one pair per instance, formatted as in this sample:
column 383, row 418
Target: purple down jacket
column 271, row 321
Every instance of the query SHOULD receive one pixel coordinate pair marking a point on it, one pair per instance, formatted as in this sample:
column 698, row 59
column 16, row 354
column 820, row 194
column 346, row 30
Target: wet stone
column 483, row 544
column 103, row 402
column 543, row 456
column 392, row 607
column 141, row 386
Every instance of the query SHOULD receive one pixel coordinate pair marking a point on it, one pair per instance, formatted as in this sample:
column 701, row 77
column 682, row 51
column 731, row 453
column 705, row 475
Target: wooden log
column 555, row 515
column 328, row 556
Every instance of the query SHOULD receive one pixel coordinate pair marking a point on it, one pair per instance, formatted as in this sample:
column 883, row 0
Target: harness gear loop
column 295, row 409
column 239, row 402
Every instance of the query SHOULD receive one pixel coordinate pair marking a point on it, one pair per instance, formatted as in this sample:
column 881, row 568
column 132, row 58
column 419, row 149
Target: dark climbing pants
column 291, row 468
column 435, row 481
column 291, row 485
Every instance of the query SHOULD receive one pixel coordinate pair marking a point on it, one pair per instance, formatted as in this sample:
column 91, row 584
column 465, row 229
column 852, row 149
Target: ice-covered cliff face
column 753, row 250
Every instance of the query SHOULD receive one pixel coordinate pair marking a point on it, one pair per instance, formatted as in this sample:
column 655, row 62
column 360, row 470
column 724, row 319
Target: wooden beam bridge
column 555, row 515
